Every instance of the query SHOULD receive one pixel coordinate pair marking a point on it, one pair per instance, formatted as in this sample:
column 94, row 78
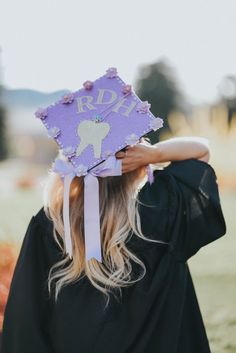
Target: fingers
column 125, row 163
column 120, row 155
column 128, row 159
column 123, row 154
column 133, row 157
column 128, row 164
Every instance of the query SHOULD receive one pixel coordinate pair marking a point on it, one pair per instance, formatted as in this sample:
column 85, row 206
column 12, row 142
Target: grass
column 213, row 270
column 216, row 295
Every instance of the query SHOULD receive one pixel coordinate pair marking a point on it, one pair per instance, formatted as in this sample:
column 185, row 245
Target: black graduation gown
column 159, row 314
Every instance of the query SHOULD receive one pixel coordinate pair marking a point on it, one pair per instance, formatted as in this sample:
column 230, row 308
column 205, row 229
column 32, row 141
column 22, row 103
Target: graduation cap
column 90, row 126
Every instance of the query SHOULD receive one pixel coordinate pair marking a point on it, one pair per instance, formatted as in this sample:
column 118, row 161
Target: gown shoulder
column 188, row 190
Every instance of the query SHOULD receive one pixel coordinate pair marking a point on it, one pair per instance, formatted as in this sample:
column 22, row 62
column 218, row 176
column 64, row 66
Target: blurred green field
column 214, row 273
column 213, row 268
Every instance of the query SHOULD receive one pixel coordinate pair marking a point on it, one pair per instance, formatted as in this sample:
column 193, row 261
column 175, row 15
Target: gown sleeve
column 24, row 318
column 195, row 212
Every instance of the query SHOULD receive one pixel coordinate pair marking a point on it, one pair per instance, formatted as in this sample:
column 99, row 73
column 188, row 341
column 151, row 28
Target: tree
column 158, row 85
column 3, row 137
column 227, row 90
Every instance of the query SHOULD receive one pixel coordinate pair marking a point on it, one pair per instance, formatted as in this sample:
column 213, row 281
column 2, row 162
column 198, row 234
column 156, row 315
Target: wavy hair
column 119, row 220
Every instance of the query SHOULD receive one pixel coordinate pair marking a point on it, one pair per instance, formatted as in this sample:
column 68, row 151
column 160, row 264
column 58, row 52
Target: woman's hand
column 137, row 156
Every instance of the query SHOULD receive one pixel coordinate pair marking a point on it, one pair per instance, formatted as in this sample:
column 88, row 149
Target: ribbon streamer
column 66, row 216
column 92, row 218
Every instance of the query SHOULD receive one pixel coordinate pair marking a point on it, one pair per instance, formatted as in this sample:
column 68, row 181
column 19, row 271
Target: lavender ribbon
column 110, row 167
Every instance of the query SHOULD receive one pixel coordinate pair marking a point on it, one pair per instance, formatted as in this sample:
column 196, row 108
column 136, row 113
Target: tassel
column 150, row 174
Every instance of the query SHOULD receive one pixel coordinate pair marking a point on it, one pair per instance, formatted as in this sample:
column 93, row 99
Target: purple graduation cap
column 90, row 126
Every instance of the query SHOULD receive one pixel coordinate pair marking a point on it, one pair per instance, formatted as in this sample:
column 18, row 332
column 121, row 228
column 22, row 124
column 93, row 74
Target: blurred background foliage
column 26, row 155
column 157, row 84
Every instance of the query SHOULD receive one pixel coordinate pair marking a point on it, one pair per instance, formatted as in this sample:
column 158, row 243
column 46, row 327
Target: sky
column 50, row 45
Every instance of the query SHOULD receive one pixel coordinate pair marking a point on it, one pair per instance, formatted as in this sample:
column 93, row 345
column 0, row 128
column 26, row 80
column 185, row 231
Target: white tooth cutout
column 91, row 133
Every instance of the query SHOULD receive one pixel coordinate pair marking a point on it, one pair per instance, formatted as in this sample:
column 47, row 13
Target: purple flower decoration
column 132, row 139
column 54, row 132
column 127, row 89
column 68, row 98
column 156, row 123
column 88, row 85
column 41, row 113
column 62, row 167
column 111, row 72
column 143, row 107
column 107, row 153
column 69, row 151
column 81, row 170
column 97, row 118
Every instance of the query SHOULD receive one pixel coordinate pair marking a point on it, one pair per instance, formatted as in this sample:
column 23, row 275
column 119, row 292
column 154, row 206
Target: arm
column 180, row 148
column 174, row 149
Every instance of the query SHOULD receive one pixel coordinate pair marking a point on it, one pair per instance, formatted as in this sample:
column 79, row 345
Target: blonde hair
column 119, row 220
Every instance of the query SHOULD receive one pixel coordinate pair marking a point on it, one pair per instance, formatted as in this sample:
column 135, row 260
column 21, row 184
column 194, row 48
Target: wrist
column 154, row 154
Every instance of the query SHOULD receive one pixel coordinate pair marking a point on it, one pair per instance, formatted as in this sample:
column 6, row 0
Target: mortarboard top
column 98, row 120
